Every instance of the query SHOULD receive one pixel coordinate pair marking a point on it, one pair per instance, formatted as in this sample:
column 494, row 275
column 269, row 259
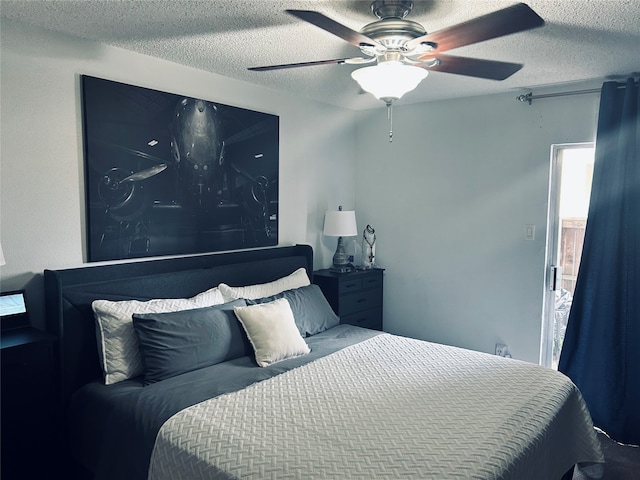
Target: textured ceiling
column 582, row 40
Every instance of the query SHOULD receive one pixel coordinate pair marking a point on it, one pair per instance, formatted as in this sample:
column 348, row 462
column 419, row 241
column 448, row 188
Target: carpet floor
column 621, row 462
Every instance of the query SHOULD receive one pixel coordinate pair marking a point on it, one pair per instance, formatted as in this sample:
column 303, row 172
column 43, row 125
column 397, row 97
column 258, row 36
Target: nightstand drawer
column 361, row 300
column 371, row 318
column 350, row 285
column 372, row 281
column 26, row 359
column 27, row 376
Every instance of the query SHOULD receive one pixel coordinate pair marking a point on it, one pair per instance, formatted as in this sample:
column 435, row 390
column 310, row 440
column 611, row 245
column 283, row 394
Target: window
column 570, row 191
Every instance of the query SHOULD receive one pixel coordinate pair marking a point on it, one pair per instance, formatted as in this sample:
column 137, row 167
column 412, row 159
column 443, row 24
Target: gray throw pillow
column 311, row 311
column 178, row 342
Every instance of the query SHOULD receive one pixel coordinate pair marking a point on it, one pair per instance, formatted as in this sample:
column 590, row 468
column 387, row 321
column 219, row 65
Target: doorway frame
column 552, row 249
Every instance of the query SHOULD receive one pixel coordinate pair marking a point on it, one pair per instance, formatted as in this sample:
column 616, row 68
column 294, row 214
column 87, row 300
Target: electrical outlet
column 502, row 350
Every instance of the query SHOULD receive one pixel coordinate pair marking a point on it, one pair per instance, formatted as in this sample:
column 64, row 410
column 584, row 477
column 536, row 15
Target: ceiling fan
column 404, row 51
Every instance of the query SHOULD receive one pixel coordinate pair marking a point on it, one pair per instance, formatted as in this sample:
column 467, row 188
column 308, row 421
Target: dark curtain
column 601, row 350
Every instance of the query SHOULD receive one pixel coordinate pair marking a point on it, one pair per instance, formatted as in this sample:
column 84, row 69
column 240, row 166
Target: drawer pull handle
column 362, row 300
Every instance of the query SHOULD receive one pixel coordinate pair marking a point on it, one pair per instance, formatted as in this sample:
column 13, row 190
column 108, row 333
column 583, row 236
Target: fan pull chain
column 390, row 117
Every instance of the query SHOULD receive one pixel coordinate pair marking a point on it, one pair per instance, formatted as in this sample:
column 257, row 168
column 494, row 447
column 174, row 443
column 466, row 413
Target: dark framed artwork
column 167, row 174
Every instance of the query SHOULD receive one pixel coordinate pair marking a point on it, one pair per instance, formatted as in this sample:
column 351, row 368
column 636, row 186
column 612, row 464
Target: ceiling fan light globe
column 389, row 80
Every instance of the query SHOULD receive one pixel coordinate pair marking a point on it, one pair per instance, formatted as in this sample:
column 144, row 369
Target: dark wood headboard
column 69, row 294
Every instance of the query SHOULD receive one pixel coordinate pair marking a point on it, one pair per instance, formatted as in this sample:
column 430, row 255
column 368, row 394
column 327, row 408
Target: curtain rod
column 529, row 97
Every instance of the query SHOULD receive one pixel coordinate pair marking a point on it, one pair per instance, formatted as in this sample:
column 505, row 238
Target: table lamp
column 340, row 223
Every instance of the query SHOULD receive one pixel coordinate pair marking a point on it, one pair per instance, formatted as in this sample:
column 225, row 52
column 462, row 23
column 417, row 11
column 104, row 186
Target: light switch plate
column 529, row 232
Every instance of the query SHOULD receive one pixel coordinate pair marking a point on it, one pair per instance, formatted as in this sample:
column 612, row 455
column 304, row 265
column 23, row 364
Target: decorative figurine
column 368, row 247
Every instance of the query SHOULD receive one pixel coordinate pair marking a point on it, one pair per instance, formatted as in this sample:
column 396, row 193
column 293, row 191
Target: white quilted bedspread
column 389, row 407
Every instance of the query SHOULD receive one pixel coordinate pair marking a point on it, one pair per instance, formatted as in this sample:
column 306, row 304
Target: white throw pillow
column 117, row 341
column 272, row 331
column 297, row 279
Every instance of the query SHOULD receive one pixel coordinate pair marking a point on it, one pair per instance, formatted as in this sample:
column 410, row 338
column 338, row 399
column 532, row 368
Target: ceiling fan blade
column 340, row 61
column 516, row 18
column 331, row 26
column 475, row 67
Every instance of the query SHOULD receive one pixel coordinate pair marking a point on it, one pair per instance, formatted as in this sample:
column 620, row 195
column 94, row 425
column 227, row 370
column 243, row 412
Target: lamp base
column 340, row 262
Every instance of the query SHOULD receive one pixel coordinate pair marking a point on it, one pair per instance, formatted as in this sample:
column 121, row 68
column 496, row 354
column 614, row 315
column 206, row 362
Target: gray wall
column 41, row 191
column 449, row 200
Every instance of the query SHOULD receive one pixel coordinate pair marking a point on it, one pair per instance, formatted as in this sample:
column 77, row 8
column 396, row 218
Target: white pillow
column 117, row 341
column 296, row 279
column 272, row 331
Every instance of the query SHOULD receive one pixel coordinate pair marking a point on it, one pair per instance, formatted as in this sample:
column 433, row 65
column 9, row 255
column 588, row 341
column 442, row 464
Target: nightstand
column 29, row 408
column 356, row 297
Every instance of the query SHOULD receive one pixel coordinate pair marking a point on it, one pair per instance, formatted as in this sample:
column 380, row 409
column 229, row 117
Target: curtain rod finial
column 525, row 98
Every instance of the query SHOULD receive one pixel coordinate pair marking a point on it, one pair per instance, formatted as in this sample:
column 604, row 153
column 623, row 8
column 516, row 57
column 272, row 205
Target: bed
column 233, row 366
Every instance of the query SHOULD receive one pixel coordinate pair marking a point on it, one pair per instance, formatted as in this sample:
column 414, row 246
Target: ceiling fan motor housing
column 392, row 34
column 391, row 8
column 389, row 30
column 392, row 30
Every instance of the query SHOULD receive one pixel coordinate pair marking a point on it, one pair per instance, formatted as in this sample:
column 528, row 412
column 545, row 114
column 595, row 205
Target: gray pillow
column 117, row 341
column 178, row 342
column 311, row 311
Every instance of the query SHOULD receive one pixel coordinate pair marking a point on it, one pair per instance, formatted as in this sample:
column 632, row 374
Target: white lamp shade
column 2, row 260
column 389, row 80
column 340, row 223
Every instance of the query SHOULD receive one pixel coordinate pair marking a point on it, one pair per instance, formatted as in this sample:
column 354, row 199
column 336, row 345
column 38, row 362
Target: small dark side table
column 28, row 404
column 356, row 297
